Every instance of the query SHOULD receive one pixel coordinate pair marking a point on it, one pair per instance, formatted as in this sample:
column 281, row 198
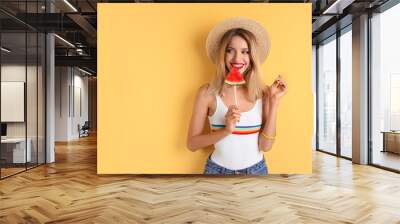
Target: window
column 385, row 88
column 346, row 93
column 327, row 95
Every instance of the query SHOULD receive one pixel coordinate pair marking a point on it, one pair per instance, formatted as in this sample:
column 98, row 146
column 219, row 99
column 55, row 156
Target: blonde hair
column 252, row 75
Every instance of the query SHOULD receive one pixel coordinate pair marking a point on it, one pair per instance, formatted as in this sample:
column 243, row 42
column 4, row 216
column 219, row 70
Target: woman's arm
column 271, row 98
column 270, row 108
column 196, row 139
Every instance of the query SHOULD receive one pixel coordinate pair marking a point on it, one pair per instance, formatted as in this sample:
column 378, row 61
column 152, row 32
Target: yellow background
column 151, row 62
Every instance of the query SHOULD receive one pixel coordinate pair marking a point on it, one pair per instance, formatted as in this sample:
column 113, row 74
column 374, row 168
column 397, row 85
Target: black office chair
column 84, row 130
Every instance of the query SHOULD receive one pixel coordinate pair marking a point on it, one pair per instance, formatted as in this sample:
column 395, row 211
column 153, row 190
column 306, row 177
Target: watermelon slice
column 234, row 78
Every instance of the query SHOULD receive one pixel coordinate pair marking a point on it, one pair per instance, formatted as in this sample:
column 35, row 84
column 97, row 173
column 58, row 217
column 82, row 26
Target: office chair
column 84, row 130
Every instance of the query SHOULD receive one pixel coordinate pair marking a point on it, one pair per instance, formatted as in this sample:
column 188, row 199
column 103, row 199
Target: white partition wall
column 71, row 102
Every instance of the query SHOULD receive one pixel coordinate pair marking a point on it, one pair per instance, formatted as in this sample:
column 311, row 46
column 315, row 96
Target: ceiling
column 76, row 22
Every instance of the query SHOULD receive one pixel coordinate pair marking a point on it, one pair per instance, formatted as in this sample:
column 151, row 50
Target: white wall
column 12, row 73
column 62, row 78
column 33, row 127
column 81, row 84
column 12, row 101
column 71, row 94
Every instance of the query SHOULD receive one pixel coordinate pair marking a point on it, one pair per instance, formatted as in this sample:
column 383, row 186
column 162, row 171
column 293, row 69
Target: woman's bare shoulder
column 205, row 92
column 205, row 96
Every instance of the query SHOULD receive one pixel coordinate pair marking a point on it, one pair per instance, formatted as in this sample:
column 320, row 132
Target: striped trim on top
column 239, row 130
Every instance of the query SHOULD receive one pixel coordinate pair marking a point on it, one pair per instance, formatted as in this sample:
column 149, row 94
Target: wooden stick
column 235, row 95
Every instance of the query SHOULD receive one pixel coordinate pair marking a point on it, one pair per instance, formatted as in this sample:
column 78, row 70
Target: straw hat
column 261, row 35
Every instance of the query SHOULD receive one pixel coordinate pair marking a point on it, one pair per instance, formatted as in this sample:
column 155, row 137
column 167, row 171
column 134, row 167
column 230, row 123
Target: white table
column 18, row 145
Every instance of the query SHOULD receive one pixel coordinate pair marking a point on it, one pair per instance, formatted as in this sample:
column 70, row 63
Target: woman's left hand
column 278, row 88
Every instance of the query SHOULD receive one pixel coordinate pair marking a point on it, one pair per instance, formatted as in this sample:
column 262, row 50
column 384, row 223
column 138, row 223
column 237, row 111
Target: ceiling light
column 337, row 7
column 5, row 50
column 64, row 40
column 84, row 71
column 70, row 5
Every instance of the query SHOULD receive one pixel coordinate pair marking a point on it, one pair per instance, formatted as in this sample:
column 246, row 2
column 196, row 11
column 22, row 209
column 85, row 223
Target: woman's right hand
column 232, row 116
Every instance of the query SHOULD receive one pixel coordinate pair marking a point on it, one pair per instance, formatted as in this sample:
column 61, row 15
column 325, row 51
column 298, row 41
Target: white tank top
column 238, row 150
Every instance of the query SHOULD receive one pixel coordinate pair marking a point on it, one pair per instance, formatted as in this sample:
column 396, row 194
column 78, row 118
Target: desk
column 16, row 148
column 391, row 141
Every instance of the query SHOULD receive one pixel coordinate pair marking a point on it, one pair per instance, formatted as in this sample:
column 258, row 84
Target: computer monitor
column 3, row 129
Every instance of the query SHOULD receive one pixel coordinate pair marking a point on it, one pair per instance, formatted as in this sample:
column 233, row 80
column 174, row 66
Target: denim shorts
column 212, row 168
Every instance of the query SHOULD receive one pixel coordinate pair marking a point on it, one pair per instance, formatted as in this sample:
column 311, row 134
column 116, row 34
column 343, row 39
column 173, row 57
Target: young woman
column 240, row 133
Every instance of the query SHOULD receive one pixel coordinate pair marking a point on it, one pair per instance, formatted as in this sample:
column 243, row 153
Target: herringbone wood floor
column 69, row 191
